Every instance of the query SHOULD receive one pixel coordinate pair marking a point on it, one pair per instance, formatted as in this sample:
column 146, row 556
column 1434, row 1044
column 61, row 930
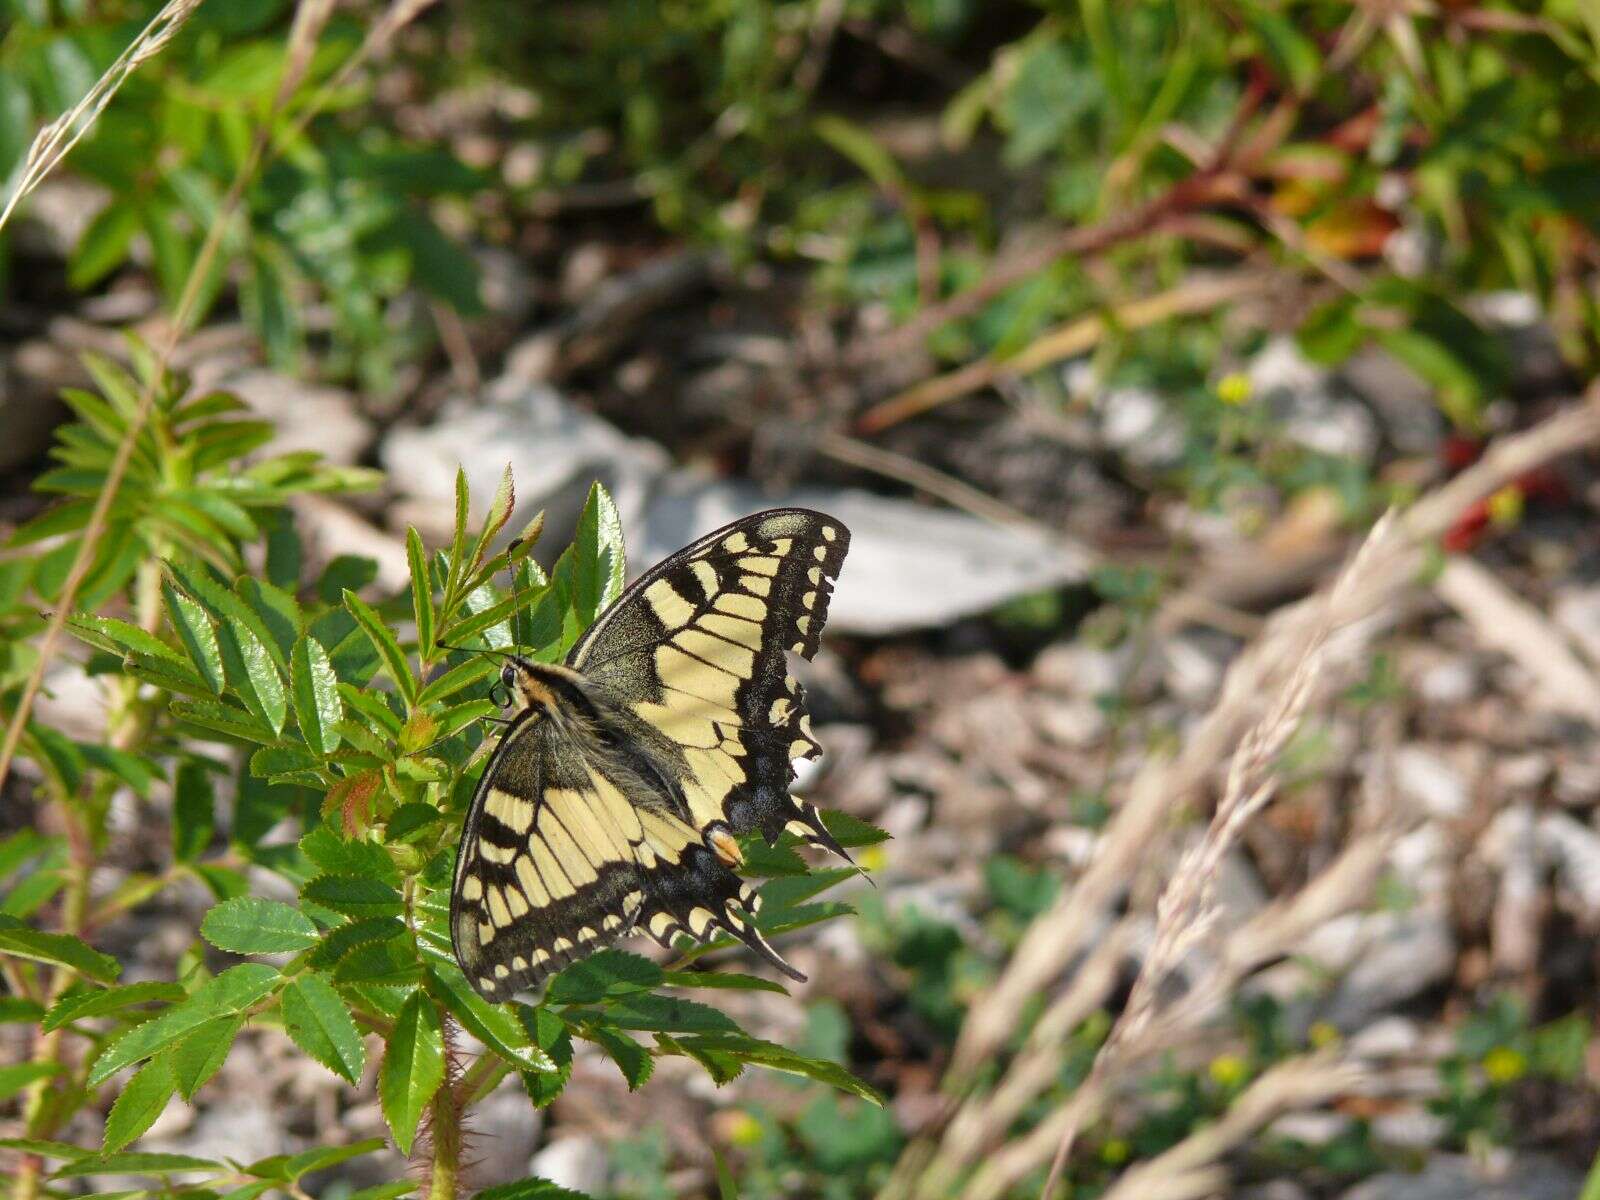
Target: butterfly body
column 616, row 796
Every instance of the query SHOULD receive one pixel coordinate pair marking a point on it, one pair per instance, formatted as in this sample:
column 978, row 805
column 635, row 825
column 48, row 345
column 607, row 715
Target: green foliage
column 368, row 738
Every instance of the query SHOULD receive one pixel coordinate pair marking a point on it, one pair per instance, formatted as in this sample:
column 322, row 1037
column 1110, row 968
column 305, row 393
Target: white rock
column 1387, row 1037
column 1577, row 611
column 1314, row 1128
column 1397, row 956
column 1410, row 1129
column 911, row 566
column 1137, row 423
column 308, row 416
column 1428, row 779
column 1575, row 850
column 577, row 1162
column 1453, row 681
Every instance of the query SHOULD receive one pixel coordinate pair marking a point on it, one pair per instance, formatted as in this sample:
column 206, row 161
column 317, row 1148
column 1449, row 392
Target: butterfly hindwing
column 697, row 649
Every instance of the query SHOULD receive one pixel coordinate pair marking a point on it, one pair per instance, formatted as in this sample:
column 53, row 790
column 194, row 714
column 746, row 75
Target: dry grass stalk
column 1187, row 910
column 377, row 39
column 56, row 140
column 1188, row 1169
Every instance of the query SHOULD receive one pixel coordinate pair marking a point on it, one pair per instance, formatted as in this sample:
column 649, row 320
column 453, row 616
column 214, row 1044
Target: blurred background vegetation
column 930, row 236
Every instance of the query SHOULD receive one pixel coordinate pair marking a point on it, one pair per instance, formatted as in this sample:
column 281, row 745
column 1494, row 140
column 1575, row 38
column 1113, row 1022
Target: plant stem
column 446, row 1135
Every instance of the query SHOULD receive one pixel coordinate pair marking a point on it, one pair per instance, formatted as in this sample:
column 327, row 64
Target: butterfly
column 624, row 777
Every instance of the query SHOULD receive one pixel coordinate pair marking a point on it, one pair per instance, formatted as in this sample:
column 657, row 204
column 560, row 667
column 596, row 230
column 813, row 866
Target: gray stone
column 1453, row 1177
column 577, row 1162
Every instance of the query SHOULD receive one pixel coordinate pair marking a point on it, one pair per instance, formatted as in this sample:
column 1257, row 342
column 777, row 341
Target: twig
column 1065, row 341
column 56, row 140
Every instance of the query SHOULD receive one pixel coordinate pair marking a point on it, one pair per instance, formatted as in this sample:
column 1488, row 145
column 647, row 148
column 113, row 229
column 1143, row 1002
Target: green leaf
column 1294, row 55
column 387, row 963
column 354, row 896
column 781, row 1058
column 46, row 1149
column 194, row 811
column 19, row 1010
column 491, row 1024
column 320, row 1023
column 348, row 856
column 605, row 973
column 102, row 1001
column 19, row 941
column 729, row 980
column 119, row 637
column 413, row 1068
column 134, row 771
column 103, row 246
column 17, row 1076
column 252, row 925
column 600, row 570
column 667, row 1014
column 500, row 510
column 421, row 592
column 851, row 831
column 200, row 1054
column 277, row 610
column 346, row 572
column 289, row 1167
column 233, row 991
column 632, row 1059
column 530, row 1189
column 554, row 1036
column 223, row 718
column 342, row 939
column 317, row 707
column 136, row 1164
column 383, row 641
column 474, row 670
column 254, row 673
column 198, row 635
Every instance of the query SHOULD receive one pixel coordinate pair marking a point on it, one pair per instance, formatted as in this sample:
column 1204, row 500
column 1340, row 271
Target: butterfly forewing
column 697, row 650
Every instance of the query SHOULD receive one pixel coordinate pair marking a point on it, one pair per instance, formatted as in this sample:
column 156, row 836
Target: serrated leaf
column 500, row 509
column 198, row 635
column 319, row 1021
column 348, row 856
column 254, row 673
column 383, row 641
column 277, row 609
column 130, row 1163
column 354, row 896
column 317, row 707
column 343, row 939
column 413, row 1068
column 605, row 973
column 653, row 1013
column 850, row 831
column 235, row 990
column 119, row 637
column 253, row 925
column 194, row 811
column 632, row 1059
column 103, row 1001
column 421, row 592
column 491, row 1024
column 781, row 1058
column 530, row 1189
column 728, row 980
column 220, row 718
column 62, row 949
column 477, row 668
column 201, row 1053
column 289, row 1167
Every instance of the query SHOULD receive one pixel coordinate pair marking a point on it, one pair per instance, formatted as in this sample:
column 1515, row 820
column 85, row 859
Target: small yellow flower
column 1233, row 388
column 743, row 1129
column 1115, row 1152
column 1229, row 1070
column 872, row 859
column 1506, row 505
column 1322, row 1034
column 1504, row 1065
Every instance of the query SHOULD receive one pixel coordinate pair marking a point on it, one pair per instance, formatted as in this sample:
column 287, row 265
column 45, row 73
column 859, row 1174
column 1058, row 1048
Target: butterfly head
column 522, row 686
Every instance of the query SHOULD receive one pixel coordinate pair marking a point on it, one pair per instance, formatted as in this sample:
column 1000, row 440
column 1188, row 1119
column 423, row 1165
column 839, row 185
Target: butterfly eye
column 508, row 675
